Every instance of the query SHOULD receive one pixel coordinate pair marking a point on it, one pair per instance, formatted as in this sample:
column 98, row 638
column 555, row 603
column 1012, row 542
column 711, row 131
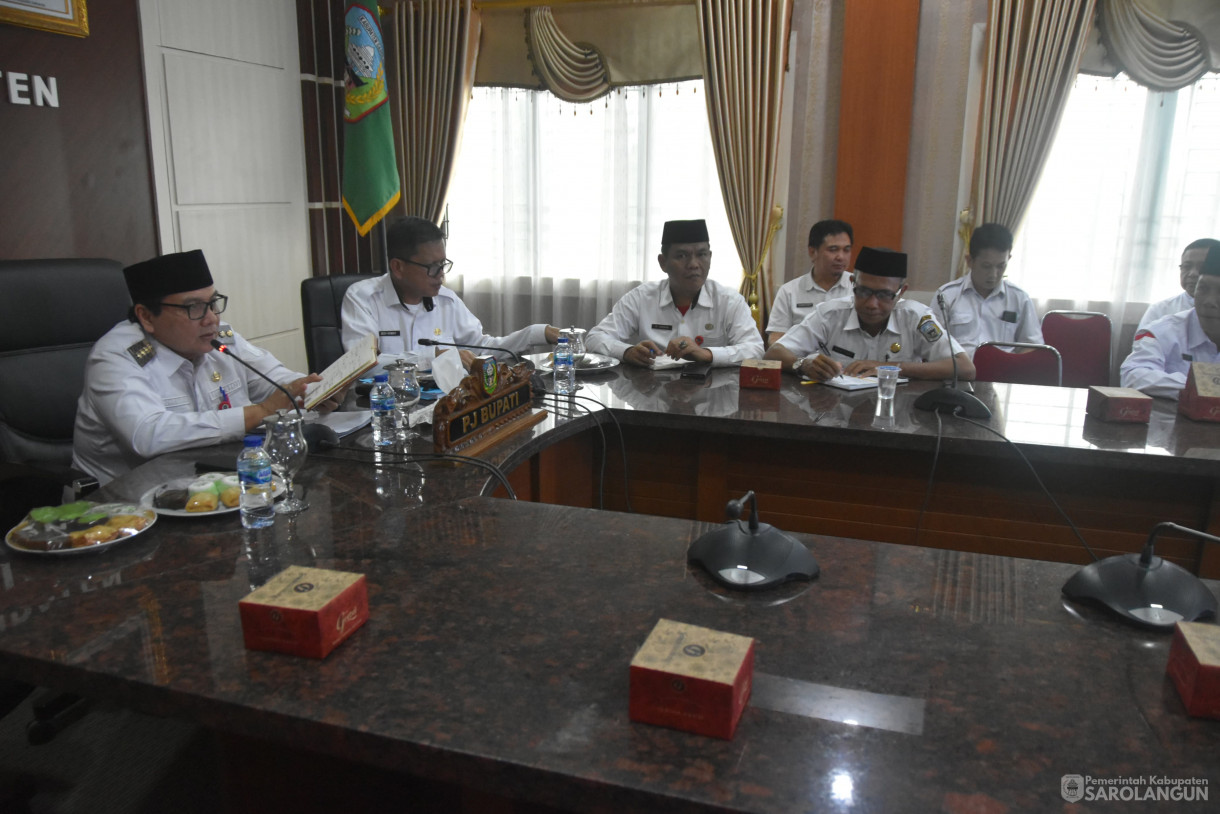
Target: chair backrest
column 1035, row 364
column 51, row 313
column 321, row 306
column 1083, row 340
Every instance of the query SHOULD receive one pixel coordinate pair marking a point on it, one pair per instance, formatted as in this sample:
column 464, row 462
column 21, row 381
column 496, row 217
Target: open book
column 342, row 371
column 844, row 382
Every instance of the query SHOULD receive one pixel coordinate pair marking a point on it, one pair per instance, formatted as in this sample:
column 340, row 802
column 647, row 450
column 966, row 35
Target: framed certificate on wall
column 59, row 16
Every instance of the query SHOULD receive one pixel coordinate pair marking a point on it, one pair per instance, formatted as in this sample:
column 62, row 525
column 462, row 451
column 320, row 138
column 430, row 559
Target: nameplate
column 487, row 403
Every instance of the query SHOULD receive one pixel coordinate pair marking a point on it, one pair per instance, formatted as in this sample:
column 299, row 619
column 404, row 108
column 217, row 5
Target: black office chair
column 51, row 313
column 321, row 307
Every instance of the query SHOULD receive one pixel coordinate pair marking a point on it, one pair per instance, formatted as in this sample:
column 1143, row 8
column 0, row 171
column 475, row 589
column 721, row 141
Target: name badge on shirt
column 658, row 327
column 389, row 333
column 1186, row 357
column 804, row 305
column 847, row 353
column 1009, row 316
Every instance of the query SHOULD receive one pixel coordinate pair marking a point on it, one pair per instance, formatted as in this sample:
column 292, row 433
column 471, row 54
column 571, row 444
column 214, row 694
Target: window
column 557, row 209
column 1133, row 176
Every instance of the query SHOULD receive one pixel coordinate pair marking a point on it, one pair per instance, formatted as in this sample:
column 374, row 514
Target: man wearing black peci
column 154, row 384
column 875, row 327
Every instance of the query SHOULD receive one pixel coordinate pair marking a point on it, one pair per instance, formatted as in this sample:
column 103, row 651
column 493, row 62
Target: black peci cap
column 882, row 262
column 684, row 231
column 168, row 274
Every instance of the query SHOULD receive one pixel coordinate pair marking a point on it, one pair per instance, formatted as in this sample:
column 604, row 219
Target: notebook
column 342, row 371
column 843, row 382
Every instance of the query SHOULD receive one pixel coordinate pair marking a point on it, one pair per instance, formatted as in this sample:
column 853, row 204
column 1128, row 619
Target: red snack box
column 763, row 374
column 1200, row 399
column 304, row 611
column 692, row 678
column 1194, row 666
column 1122, row 404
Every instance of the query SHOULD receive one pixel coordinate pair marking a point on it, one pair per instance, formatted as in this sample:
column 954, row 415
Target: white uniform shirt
column 1005, row 315
column 835, row 325
column 1162, row 353
column 372, row 306
column 1173, row 305
column 720, row 316
column 797, row 298
column 128, row 414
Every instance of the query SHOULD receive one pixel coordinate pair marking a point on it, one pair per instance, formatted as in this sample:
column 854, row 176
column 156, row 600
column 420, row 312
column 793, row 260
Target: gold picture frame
column 58, row 16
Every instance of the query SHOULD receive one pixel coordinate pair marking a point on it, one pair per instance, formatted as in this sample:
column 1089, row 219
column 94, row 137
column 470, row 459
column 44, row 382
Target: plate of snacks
column 78, row 528
column 206, row 495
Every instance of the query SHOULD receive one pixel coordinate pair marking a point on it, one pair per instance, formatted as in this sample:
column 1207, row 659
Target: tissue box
column 1194, row 666
column 692, row 678
column 304, row 611
column 763, row 374
column 1123, row 404
column 1200, row 399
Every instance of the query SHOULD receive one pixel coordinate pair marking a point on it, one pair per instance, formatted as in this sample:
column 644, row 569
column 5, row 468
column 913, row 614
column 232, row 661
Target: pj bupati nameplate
column 489, row 404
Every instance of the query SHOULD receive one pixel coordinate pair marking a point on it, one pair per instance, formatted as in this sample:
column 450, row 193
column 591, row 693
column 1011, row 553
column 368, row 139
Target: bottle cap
column 253, row 441
column 563, row 340
column 381, row 377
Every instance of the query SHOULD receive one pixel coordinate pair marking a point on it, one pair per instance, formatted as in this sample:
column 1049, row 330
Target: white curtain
column 557, row 209
column 1133, row 176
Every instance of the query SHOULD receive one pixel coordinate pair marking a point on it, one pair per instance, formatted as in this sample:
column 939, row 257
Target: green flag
column 370, row 175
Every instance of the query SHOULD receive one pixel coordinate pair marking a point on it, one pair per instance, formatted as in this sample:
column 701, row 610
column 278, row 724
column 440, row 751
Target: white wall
column 223, row 86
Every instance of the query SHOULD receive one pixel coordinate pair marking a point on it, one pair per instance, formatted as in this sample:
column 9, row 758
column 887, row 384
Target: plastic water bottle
column 565, row 373
column 257, row 490
column 381, row 402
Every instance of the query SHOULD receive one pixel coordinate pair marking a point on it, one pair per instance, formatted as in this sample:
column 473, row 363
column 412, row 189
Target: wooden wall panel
column 76, row 179
column 875, row 101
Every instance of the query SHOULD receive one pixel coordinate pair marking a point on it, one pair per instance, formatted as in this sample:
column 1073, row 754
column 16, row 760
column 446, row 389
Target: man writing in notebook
column 875, row 327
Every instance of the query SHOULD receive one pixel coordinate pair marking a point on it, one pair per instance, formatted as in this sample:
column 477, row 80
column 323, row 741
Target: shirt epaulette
column 142, row 351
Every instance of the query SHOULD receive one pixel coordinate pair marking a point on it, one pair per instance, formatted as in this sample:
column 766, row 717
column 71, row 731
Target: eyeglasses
column 864, row 292
column 437, row 269
column 703, row 256
column 197, row 310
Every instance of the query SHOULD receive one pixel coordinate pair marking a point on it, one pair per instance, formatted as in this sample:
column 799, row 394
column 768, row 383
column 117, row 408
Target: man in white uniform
column 829, row 254
column 685, row 316
column 1188, row 276
column 1161, row 356
column 983, row 306
column 411, row 302
column 154, row 384
column 875, row 327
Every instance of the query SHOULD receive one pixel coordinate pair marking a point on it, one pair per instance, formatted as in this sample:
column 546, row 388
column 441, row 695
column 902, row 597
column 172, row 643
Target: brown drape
column 1033, row 50
column 744, row 44
column 431, row 73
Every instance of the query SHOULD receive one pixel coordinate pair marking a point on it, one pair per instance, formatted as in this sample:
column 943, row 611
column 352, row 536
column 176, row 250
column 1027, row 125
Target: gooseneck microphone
column 514, row 354
column 316, row 435
column 950, row 399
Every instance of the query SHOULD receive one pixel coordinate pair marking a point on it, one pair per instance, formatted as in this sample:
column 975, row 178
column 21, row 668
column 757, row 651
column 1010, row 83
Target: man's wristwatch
column 798, row 364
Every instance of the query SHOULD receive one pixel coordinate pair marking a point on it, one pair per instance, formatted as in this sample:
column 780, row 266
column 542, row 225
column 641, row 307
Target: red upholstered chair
column 1041, row 364
column 1083, row 340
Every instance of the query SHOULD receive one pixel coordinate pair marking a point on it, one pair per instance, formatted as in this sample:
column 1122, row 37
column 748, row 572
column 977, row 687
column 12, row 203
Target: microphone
column 316, row 435
column 514, row 354
column 734, row 508
column 745, row 559
column 950, row 399
column 1144, row 589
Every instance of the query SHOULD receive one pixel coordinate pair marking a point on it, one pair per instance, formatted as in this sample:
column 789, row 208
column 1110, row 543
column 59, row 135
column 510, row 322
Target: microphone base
column 1152, row 596
column 952, row 400
column 745, row 561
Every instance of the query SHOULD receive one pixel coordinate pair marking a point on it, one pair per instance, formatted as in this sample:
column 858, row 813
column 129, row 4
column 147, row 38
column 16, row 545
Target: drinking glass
column 406, row 395
column 287, row 448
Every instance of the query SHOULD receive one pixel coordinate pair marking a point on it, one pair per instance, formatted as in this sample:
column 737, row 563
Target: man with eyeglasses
column 1162, row 353
column 983, row 306
column 684, row 316
column 874, row 327
column 411, row 302
column 1188, row 277
column 154, row 384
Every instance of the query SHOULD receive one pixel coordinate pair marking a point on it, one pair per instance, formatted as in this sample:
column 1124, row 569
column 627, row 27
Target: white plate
column 112, row 509
column 146, row 499
column 591, row 363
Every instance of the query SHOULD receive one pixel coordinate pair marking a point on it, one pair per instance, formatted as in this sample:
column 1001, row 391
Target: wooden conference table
column 495, row 659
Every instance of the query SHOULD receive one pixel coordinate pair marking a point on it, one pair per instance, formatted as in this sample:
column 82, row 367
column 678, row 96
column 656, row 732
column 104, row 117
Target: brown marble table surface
column 496, row 653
